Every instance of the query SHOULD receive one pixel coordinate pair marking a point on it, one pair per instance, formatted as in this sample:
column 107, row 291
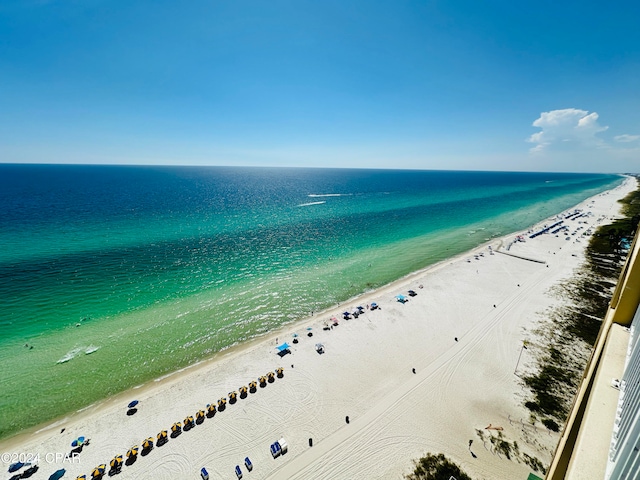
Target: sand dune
column 490, row 304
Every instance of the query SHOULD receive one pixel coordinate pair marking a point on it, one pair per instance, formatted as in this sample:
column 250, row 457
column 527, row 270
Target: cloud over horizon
column 569, row 125
column 626, row 138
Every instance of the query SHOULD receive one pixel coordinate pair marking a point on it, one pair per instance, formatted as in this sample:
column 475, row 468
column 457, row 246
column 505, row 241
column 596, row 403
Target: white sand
column 366, row 373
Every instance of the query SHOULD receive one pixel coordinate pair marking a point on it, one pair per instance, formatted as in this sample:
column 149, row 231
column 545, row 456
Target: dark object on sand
column 346, row 419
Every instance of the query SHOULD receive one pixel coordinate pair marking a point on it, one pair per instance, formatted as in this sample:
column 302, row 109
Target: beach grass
column 570, row 333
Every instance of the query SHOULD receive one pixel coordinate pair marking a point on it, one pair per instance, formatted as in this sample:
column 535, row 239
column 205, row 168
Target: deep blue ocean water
column 150, row 269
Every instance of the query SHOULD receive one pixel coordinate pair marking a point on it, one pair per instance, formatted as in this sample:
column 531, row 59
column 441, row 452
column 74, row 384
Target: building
column 601, row 439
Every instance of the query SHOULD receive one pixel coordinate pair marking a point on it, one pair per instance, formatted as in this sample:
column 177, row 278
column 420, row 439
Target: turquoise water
column 152, row 269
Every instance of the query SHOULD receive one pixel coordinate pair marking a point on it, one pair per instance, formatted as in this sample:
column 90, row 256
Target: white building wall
column 624, row 455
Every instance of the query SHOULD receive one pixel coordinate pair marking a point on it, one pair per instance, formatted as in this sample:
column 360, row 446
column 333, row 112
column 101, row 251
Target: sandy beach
column 462, row 334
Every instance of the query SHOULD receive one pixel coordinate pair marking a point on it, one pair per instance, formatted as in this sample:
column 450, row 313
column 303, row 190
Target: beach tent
column 132, row 404
column 401, row 298
column 374, row 305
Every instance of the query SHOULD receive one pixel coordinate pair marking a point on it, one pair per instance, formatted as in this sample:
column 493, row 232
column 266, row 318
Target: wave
column 313, row 195
column 310, row 203
column 70, row 355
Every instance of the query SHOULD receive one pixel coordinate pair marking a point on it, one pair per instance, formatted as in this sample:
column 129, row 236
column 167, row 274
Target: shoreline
column 261, row 351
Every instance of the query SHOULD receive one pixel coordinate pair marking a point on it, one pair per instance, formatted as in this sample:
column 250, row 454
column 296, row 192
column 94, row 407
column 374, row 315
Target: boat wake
column 310, row 203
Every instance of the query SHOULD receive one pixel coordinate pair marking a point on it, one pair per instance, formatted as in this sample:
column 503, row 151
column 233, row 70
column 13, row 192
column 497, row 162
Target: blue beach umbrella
column 132, row 404
column 14, row 467
column 78, row 442
column 57, row 474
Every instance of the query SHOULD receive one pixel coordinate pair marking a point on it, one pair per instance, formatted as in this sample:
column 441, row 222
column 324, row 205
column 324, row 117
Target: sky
column 462, row 85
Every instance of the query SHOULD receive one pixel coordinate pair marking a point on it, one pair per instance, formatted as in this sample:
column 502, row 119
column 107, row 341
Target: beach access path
column 463, row 334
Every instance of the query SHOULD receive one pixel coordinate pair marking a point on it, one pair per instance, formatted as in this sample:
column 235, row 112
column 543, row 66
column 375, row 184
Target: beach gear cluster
column 177, row 428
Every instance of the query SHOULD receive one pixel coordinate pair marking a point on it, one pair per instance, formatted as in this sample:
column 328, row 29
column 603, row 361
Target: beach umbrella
column 233, row 395
column 81, row 477
column 211, row 408
column 222, row 402
column 78, row 442
column 176, row 427
column 147, row 444
column 14, row 467
column 279, row 371
column 252, row 384
column 57, row 474
column 262, row 380
column 133, row 451
column 188, row 421
column 270, row 375
column 132, row 404
column 98, row 471
column 200, row 414
column 162, row 435
column 116, row 461
column 243, row 390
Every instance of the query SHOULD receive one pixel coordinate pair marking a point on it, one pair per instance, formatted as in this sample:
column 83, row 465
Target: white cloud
column 571, row 125
column 626, row 138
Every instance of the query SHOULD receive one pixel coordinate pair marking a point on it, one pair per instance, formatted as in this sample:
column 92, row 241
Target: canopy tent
column 283, row 349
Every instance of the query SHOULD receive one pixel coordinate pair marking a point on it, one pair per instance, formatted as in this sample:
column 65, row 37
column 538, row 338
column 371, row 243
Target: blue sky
column 495, row 85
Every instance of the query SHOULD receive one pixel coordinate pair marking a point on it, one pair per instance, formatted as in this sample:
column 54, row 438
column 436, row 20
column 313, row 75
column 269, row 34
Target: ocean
column 111, row 276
